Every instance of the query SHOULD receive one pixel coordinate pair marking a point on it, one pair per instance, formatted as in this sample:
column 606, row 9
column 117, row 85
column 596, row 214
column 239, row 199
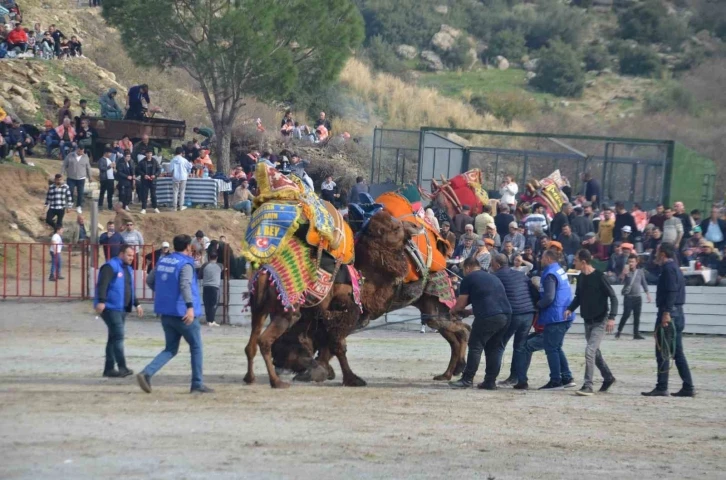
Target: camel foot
column 317, row 374
column 442, row 377
column 459, row 368
column 331, row 373
column 354, row 381
column 249, row 379
column 279, row 384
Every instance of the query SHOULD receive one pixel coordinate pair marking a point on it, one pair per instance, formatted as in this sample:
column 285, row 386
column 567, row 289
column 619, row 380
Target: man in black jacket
column 125, row 176
column 148, row 170
column 714, row 229
column 521, row 296
column 502, row 220
column 592, row 294
column 623, row 218
column 561, row 219
column 669, row 324
column 19, row 141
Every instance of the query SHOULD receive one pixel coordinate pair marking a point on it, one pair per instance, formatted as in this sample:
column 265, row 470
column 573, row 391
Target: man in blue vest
column 555, row 297
column 177, row 301
column 114, row 299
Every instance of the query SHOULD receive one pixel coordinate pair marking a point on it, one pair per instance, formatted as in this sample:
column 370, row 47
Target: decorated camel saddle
column 299, row 239
column 547, row 192
column 451, row 195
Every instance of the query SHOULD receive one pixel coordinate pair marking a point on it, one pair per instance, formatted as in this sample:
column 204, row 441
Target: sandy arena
column 60, row 419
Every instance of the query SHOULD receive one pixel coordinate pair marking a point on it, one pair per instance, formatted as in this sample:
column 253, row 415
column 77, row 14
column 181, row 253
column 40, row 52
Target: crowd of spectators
column 611, row 234
column 19, row 41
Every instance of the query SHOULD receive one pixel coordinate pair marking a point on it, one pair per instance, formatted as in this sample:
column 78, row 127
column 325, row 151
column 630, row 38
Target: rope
column 375, row 327
column 665, row 343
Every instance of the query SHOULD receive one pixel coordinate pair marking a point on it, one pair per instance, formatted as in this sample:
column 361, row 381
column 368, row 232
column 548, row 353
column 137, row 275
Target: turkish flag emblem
column 262, row 242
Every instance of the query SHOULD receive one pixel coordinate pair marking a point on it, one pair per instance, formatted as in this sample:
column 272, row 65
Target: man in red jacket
column 17, row 39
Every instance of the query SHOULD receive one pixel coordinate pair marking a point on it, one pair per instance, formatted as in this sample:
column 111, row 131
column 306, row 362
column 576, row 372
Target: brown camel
column 337, row 310
column 382, row 261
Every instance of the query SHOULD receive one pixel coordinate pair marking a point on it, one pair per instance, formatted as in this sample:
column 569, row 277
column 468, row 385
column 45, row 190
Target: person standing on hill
column 125, row 175
column 180, row 169
column 56, row 249
column 105, row 168
column 135, row 102
column 211, row 276
column 57, row 200
column 176, row 299
column 592, row 294
column 77, row 168
column 114, row 299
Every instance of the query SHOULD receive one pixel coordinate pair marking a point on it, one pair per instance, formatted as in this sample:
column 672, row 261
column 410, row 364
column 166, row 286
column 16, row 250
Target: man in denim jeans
column 177, row 300
column 114, row 298
column 555, row 296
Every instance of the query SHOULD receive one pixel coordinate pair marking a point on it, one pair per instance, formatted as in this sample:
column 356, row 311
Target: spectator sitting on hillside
column 76, row 232
column 324, row 122
column 616, row 264
column 321, row 134
column 64, row 50
column 286, row 118
column 329, row 190
column 109, row 107
column 65, row 111
column 86, row 136
column 85, row 113
column 49, row 138
column 76, row 47
column 4, row 148
column 242, row 198
column 17, row 39
column 37, row 33
column 19, row 141
column 287, row 129
column 46, row 47
column 140, row 149
column 57, row 36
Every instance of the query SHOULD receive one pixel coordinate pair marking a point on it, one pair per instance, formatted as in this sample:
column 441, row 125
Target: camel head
column 381, row 246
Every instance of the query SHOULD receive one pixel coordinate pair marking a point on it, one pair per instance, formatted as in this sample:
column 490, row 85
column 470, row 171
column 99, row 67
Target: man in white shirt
column 56, row 247
column 180, row 168
column 509, row 190
column 199, row 248
column 106, row 168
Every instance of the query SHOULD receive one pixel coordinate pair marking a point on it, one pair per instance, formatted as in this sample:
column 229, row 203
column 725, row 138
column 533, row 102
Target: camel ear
column 412, row 229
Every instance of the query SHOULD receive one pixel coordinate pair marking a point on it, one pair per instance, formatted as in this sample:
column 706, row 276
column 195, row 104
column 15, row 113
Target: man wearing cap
column 483, row 255
column 77, row 168
column 466, row 249
column 449, row 236
column 114, row 299
column 695, row 241
column 626, row 234
column 491, row 232
column 515, row 237
column 492, row 314
column 469, row 230
column 177, row 300
column 153, row 258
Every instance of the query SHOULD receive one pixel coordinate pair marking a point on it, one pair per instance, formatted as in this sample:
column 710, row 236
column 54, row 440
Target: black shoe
column 510, row 382
column 521, row 386
column 461, row 384
column 684, row 393
column 112, row 374
column 144, row 382
column 655, row 393
column 551, row 386
column 202, row 389
column 606, row 384
column 638, row 337
column 487, row 386
column 617, row 335
column 60, row 278
column 585, row 392
column 125, row 372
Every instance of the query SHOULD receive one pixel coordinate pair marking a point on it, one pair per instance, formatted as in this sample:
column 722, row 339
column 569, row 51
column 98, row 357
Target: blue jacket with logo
column 555, row 312
column 168, row 299
column 116, row 289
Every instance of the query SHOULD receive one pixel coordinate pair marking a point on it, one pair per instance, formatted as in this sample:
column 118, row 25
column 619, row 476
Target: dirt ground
column 60, row 419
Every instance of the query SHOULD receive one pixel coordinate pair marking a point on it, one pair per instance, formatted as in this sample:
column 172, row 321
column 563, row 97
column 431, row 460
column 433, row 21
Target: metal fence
column 26, row 271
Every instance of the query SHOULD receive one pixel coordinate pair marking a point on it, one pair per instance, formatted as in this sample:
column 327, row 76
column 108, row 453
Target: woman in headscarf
column 431, row 219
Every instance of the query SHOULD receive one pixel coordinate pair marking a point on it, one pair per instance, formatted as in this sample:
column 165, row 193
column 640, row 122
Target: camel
column 381, row 260
column 337, row 308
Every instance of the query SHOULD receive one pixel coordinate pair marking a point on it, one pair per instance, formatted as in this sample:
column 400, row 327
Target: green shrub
column 642, row 21
column 509, row 44
column 596, row 57
column 674, row 97
column 480, row 104
column 554, row 20
column 509, row 106
column 458, row 56
column 640, row 61
column 411, row 22
column 383, row 57
column 559, row 71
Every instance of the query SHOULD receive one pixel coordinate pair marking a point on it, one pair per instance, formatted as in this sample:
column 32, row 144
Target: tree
column 559, row 71
column 509, row 44
column 240, row 48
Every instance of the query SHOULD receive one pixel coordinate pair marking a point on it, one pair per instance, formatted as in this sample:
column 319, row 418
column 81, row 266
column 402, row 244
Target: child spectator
column 75, row 47
column 64, row 49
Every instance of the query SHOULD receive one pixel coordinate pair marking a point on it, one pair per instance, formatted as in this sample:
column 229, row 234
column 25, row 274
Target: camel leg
column 324, row 358
column 455, row 353
column 258, row 320
column 454, row 332
column 350, row 379
column 278, row 325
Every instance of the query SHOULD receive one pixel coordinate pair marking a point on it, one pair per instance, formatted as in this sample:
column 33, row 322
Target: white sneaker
column 181, row 209
column 213, row 324
column 143, row 212
column 127, row 208
column 156, row 210
column 423, row 329
column 79, row 210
